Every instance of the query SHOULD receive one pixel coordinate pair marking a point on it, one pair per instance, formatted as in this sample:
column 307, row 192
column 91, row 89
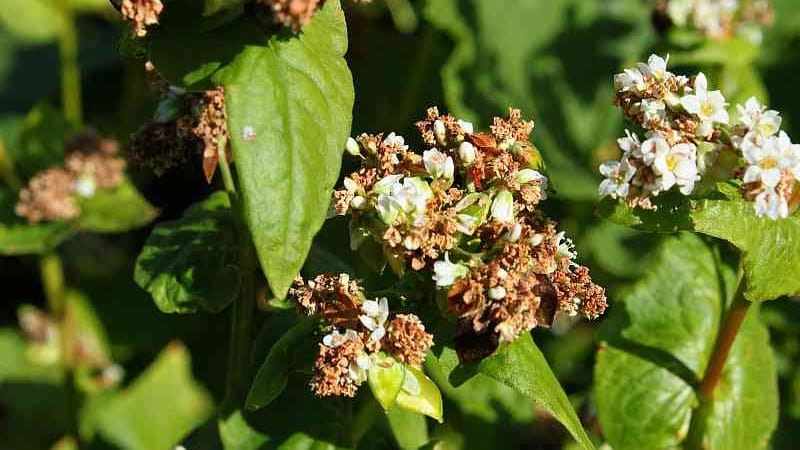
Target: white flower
column 388, row 208
column 679, row 11
column 85, row 186
column 753, row 115
column 497, row 293
column 513, row 234
column 653, row 110
column 767, row 161
column 438, row 164
column 618, row 178
column 566, row 249
column 653, row 145
column 395, row 140
column 677, row 166
column 335, row 338
column 357, row 370
column 466, row 127
column 502, row 209
column 629, row 143
column 407, row 200
column 771, row 204
column 525, row 176
column 352, row 147
column 467, row 224
column 709, row 107
column 446, row 273
column 373, row 317
column 629, row 80
column 385, row 184
column 466, row 153
column 656, row 67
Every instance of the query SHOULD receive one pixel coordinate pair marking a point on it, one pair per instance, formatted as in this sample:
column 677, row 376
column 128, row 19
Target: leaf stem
column 729, row 329
column 70, row 69
column 244, row 305
column 52, row 274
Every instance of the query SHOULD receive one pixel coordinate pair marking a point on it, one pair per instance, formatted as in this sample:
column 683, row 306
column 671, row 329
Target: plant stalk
column 728, row 330
column 52, row 275
column 243, row 307
column 71, row 98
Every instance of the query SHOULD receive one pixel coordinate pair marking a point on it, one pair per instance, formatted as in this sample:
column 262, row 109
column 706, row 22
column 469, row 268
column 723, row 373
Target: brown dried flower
column 334, row 367
column 407, row 340
column 158, row 147
column 141, row 13
column 49, row 196
column 293, row 13
column 208, row 122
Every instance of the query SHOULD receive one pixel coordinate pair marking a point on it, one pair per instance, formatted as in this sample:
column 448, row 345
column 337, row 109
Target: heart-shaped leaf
column 385, row 378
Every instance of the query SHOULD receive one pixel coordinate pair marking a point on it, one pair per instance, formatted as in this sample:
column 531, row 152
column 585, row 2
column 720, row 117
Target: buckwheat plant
column 719, row 19
column 694, row 162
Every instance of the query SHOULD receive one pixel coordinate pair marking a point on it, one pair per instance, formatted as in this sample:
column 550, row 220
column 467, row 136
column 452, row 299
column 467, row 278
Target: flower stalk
column 70, row 68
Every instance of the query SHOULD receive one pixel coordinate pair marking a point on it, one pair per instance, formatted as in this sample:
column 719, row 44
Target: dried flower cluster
column 720, row 19
column 359, row 329
column 198, row 127
column 141, row 14
column 472, row 197
column 90, row 163
column 687, row 127
column 293, row 14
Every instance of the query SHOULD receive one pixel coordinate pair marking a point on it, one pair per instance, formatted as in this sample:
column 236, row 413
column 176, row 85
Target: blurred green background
column 554, row 59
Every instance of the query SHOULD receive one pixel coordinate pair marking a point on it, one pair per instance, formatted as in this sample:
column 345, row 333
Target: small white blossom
column 446, row 273
column 677, row 166
column 771, row 204
column 767, row 161
column 502, row 209
column 709, row 107
column 629, row 143
column 467, row 224
column 352, row 147
column 395, row 140
column 438, row 164
column 466, row 153
column 407, row 200
column 466, row 127
column 385, row 184
column 656, row 67
column 756, row 117
column 357, row 370
column 653, row 110
column 373, row 317
column 497, row 293
column 630, row 80
column 85, row 186
column 335, row 338
column 514, row 233
column 618, row 179
column 566, row 249
column 525, row 176
column 655, row 144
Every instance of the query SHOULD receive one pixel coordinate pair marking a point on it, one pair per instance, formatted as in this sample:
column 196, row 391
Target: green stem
column 7, row 172
column 52, row 274
column 70, row 68
column 729, row 329
column 238, row 375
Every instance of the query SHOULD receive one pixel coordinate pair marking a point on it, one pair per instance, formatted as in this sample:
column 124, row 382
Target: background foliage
column 554, row 60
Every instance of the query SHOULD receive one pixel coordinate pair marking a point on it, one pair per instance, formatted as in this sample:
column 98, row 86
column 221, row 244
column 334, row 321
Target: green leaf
column 522, row 366
column 385, row 378
column 38, row 22
column 410, row 429
column 40, row 142
column 160, row 407
column 297, row 95
column 656, row 346
column 191, row 263
column 770, row 248
column 427, row 401
column 273, row 375
column 115, row 210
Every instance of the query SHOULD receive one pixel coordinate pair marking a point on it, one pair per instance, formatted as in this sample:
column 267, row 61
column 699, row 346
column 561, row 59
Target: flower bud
column 440, row 132
column 503, row 207
column 438, row 164
column 466, row 153
column 466, row 127
column 352, row 147
column 358, row 202
column 537, row 239
column 525, row 176
column 446, row 273
column 85, row 186
column 513, row 234
column 497, row 293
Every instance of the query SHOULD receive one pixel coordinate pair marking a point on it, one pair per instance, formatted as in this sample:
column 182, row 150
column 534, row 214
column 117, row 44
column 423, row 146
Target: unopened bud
column 466, row 153
column 352, row 147
column 358, row 202
column 503, row 207
column 537, row 239
column 513, row 234
column 440, row 132
column 497, row 293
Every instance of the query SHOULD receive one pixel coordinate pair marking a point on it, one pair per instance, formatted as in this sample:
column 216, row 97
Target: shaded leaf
column 428, row 401
column 115, row 210
column 656, row 347
column 160, row 407
column 190, row 263
column 17, row 237
column 410, row 429
column 522, row 366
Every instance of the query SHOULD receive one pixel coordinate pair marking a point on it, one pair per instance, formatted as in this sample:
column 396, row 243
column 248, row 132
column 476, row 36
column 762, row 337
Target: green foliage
column 296, row 95
column 386, row 377
column 191, row 263
column 159, row 408
column 771, row 258
column 656, row 346
column 115, row 210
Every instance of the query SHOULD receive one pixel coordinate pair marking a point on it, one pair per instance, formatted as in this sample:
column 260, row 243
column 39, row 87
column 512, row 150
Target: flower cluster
column 719, row 19
column 90, row 163
column 687, row 127
column 141, row 14
column 359, row 329
column 195, row 125
column 466, row 210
